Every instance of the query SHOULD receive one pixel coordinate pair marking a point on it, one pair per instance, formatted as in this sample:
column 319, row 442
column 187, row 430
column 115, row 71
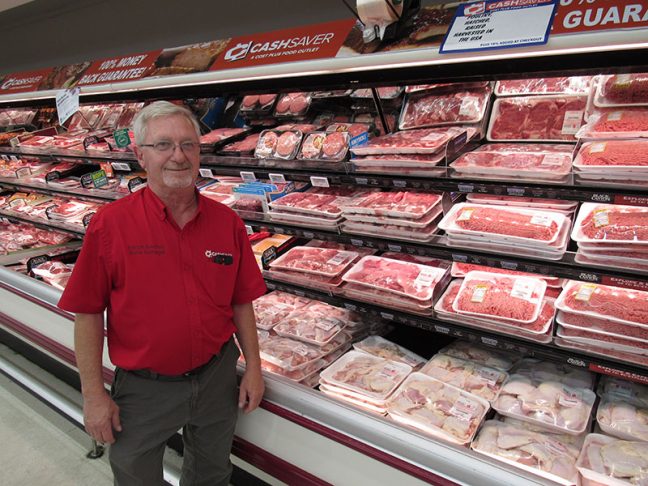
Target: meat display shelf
column 438, row 248
column 118, row 161
column 46, row 225
column 489, row 338
column 83, row 194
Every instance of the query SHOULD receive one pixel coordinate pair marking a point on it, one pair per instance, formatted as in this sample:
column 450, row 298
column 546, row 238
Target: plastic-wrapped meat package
column 354, row 129
column 602, row 351
column 309, row 203
column 258, row 103
column 621, row 343
column 396, row 229
column 622, row 90
column 381, row 347
column 482, row 355
column 623, row 418
column 537, row 86
column 461, row 269
column 345, row 316
column 613, row 155
column 384, row 93
column 71, row 210
column 479, row 380
column 592, row 324
column 528, row 202
column 320, row 261
column 421, row 141
column 220, row 135
column 362, row 251
column 500, row 296
column 616, row 124
column 615, row 303
column 520, row 161
column 310, row 280
column 316, row 329
column 403, row 278
column 623, row 390
column 550, row 403
column 415, row 88
column 295, row 375
column 401, row 163
column 387, row 299
column 549, row 455
column 433, row 109
column 293, row 104
column 278, row 144
column 541, row 118
column 398, row 204
column 597, row 223
column 610, row 461
column 325, row 146
column 272, row 308
column 373, row 377
column 538, row 370
column 245, row 146
column 287, row 353
column 437, row 408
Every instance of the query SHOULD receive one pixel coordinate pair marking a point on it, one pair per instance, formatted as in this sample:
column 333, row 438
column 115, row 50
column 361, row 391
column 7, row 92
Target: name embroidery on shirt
column 146, row 250
column 219, row 258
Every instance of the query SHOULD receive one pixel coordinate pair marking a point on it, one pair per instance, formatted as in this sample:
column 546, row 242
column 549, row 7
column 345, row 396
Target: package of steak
column 245, row 146
column 258, row 103
column 447, row 108
column 320, row 261
column 421, row 141
column 540, row 86
column 622, row 123
column 384, row 93
column 550, row 118
column 622, row 90
column 209, row 142
column 293, row 104
column 416, row 88
column 325, row 146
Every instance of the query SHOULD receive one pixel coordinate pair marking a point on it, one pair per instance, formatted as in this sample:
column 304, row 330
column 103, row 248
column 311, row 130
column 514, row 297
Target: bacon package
column 421, row 141
column 606, row 460
column 622, row 90
column 540, row 118
column 438, row 409
column 539, row 86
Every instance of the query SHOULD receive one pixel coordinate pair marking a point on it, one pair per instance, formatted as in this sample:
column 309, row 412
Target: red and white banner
column 578, row 16
column 24, row 81
column 117, row 69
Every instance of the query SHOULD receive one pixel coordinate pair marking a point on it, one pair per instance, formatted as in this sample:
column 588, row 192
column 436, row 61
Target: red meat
column 615, row 152
column 613, row 222
column 505, row 222
column 433, row 109
column 250, row 101
column 334, row 144
column 543, row 85
column 283, row 106
column 622, row 121
column 604, row 325
column 286, row 143
column 626, row 88
column 266, row 99
column 567, row 333
column 410, row 141
column 380, row 203
column 246, row 145
column 626, row 304
column 298, row 104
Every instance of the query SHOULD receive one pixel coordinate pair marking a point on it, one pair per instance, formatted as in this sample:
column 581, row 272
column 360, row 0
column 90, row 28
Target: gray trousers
column 205, row 408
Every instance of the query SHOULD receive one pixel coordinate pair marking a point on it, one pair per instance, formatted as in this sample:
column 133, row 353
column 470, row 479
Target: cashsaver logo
column 280, row 47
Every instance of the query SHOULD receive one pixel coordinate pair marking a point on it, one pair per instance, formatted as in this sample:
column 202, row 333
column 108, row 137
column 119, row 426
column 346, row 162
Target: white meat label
column 389, row 371
column 572, row 122
column 615, row 116
column 326, row 324
column 601, row 217
column 489, row 375
column 301, row 350
column 585, row 292
column 623, row 80
column 340, row 258
column 319, row 181
column 523, row 289
column 469, row 106
column 425, row 278
column 464, row 409
column 432, row 137
column 541, row 220
column 277, row 178
column 479, row 293
column 553, row 160
column 570, row 397
column 465, row 215
column 597, row 148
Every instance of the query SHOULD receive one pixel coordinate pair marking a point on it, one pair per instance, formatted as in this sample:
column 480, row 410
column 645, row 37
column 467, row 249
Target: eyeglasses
column 167, row 147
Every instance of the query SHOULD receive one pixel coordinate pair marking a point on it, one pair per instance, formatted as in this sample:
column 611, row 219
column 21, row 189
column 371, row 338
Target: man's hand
column 101, row 417
column 251, row 390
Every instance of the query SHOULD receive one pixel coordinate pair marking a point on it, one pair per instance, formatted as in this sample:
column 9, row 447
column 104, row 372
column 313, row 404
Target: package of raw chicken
column 551, row 456
column 585, row 322
column 460, row 270
column 405, row 233
column 622, row 90
column 619, row 389
column 617, row 304
column 573, row 85
column 325, row 146
column 295, row 375
column 623, row 418
column 357, row 399
column 612, row 341
column 480, row 354
column 314, row 329
column 504, row 224
column 381, row 347
column 449, row 108
column 420, row 141
column 287, row 353
column 539, row 370
column 293, row 104
column 258, row 103
column 277, row 144
column 606, row 223
column 402, row 278
column 538, row 118
column 320, row 261
column 479, row 380
column 501, row 296
column 398, row 204
column 613, row 155
column 549, row 403
column 526, row 161
column 309, row 203
column 623, row 123
column 609, row 461
column 437, row 408
column 370, row 376
column 271, row 308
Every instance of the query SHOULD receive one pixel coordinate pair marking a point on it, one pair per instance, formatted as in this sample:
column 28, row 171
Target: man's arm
column 252, row 385
column 100, row 413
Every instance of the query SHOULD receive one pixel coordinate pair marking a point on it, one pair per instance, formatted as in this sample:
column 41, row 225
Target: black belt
column 152, row 375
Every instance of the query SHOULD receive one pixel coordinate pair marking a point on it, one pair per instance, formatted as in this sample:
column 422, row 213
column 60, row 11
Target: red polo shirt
column 169, row 291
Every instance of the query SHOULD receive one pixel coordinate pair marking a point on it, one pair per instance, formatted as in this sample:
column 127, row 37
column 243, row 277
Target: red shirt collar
column 153, row 200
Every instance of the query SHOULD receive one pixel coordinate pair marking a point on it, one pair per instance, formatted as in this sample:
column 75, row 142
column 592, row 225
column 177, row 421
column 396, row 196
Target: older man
column 176, row 273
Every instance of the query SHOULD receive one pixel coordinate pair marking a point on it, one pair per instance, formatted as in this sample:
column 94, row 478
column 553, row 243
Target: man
column 177, row 276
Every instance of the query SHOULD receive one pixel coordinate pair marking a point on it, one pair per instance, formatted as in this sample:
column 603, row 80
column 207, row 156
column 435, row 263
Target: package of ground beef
column 622, row 90
column 622, row 123
column 611, row 223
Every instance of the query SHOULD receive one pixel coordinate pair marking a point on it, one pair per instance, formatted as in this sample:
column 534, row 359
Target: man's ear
column 139, row 154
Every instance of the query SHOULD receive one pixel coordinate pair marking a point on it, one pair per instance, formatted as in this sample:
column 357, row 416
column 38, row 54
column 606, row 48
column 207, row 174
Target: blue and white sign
column 499, row 24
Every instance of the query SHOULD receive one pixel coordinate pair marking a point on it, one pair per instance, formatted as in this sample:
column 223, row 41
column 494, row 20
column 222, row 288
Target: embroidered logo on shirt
column 146, row 250
column 220, row 258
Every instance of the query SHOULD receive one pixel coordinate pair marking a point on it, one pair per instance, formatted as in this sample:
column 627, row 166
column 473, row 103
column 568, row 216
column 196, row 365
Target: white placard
column 277, row 178
column 319, row 181
column 122, row 166
column 248, row 176
column 67, row 104
column 206, row 173
column 497, row 24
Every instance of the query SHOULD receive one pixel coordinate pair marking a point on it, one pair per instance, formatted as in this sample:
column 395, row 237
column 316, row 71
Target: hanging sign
column 24, row 81
column 498, row 24
column 67, row 104
column 578, row 16
column 119, row 69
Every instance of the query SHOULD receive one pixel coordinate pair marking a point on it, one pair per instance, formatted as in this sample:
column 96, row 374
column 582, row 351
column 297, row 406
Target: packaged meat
column 538, row 370
column 398, row 161
column 219, row 136
column 480, row 355
column 421, row 223
column 625, row 390
column 325, row 146
column 341, row 246
column 381, row 347
column 613, row 155
column 398, row 204
column 617, row 304
column 585, row 322
column 403, row 278
column 258, row 103
column 245, row 146
column 421, row 141
column 370, row 376
column 316, row 329
column 278, row 144
column 479, row 380
column 524, row 161
column 540, row 118
column 309, row 203
column 551, row 456
column 437, row 408
column 460, row 270
column 300, row 375
column 601, row 351
column 287, row 353
column 548, row 403
column 623, row 419
column 434, row 109
column 638, row 266
column 415, row 88
column 384, row 93
column 353, row 398
column 611, row 223
column 293, row 104
column 424, row 234
column 528, row 202
column 610, row 461
column 616, row 124
column 272, row 308
column 622, row 90
column 386, row 299
column 310, row 280
column 354, row 129
column 320, row 261
column 512, row 224
column 603, row 339
column 538, row 86
column 332, row 94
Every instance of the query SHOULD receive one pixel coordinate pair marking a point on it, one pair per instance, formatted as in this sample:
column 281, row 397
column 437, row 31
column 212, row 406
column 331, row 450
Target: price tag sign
column 122, row 139
column 121, row 166
column 206, row 173
column 319, row 181
column 95, row 179
column 496, row 24
column 67, row 104
column 277, row 178
column 248, row 176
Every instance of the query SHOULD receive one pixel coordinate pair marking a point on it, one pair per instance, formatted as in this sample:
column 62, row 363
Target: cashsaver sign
column 299, row 44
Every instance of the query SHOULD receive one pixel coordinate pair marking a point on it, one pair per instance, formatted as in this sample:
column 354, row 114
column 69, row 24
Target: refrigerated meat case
column 298, row 434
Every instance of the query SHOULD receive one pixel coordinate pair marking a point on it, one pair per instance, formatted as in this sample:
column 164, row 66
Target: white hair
column 159, row 109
